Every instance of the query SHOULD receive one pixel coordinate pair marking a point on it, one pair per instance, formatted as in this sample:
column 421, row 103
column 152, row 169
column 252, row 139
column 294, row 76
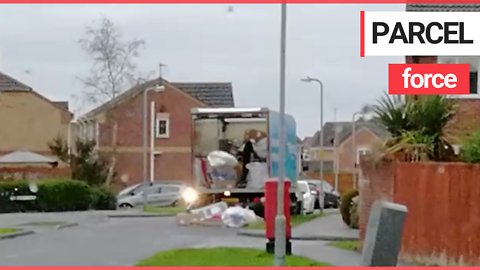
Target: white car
column 156, row 194
column 308, row 195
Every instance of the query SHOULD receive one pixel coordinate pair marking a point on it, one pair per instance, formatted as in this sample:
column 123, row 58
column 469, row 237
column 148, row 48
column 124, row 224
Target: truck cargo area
column 235, row 150
column 227, row 131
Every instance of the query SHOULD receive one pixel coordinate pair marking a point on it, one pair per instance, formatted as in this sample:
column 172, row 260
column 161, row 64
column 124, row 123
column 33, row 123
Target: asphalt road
column 99, row 241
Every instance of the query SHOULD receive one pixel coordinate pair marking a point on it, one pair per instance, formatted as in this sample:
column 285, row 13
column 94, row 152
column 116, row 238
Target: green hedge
column 55, row 196
column 354, row 214
column 103, row 199
column 346, row 204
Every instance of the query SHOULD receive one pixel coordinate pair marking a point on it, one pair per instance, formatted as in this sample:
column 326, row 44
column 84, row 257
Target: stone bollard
column 383, row 239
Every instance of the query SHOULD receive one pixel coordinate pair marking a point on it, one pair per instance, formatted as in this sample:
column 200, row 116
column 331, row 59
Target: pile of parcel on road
column 219, row 213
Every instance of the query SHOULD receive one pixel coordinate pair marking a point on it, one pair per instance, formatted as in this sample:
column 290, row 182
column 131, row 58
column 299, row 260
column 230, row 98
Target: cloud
column 1, row 59
column 209, row 43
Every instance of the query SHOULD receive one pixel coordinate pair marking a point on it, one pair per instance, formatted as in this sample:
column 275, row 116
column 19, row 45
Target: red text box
column 429, row 79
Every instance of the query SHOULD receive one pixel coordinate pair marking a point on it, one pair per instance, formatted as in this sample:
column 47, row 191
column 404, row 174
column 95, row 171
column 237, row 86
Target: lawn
column 221, row 257
column 8, row 230
column 164, row 210
column 348, row 245
column 294, row 221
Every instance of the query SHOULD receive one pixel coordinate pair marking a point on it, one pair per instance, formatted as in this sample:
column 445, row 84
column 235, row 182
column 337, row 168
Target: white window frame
column 362, row 149
column 457, row 148
column 166, row 118
column 473, row 61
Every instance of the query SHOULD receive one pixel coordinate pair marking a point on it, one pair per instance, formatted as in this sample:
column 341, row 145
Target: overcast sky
column 39, row 46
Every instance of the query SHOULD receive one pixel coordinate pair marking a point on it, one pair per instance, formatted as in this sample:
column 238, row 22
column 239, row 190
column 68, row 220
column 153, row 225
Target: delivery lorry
column 223, row 167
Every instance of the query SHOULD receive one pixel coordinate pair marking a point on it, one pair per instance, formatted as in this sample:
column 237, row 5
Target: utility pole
column 280, row 220
column 157, row 88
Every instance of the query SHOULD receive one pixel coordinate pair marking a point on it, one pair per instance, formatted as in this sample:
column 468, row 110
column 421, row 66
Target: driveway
column 99, row 241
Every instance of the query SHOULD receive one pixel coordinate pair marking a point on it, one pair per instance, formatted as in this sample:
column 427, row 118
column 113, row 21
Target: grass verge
column 347, row 245
column 8, row 230
column 221, row 257
column 44, row 223
column 164, row 210
column 294, row 221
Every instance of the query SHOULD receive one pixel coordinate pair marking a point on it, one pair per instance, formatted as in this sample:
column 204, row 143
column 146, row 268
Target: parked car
column 331, row 197
column 309, row 196
column 134, row 189
column 158, row 194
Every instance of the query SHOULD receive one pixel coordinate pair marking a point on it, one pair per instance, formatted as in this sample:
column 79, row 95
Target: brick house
column 378, row 181
column 367, row 136
column 467, row 118
column 172, row 156
column 29, row 120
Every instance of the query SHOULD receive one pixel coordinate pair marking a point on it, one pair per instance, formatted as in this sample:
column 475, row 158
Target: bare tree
column 112, row 72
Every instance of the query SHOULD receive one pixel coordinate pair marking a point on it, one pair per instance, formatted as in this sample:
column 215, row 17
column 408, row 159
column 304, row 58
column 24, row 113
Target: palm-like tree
column 416, row 122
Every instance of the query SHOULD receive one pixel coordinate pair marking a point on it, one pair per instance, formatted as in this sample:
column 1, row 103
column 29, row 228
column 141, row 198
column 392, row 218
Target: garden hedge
column 354, row 214
column 54, row 196
column 103, row 199
column 346, row 204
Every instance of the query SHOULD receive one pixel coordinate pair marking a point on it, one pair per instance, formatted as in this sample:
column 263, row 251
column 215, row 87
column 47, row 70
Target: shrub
column 85, row 164
column 52, row 195
column 346, row 204
column 471, row 149
column 354, row 213
column 63, row 195
column 103, row 199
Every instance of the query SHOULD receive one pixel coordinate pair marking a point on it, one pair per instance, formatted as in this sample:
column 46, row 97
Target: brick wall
column 20, row 173
column 467, row 116
column 421, row 59
column 375, row 183
column 465, row 121
column 174, row 162
column 443, row 218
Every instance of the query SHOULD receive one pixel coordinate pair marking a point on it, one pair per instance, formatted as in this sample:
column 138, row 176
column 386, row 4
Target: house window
column 362, row 151
column 474, row 82
column 163, row 126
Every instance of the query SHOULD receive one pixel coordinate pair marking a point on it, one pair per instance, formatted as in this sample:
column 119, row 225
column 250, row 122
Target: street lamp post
column 280, row 220
column 354, row 148
column 157, row 88
column 309, row 79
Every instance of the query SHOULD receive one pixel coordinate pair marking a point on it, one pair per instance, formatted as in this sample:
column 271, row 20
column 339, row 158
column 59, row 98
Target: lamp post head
column 306, row 79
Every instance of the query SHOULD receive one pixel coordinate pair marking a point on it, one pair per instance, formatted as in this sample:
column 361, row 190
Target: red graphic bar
column 429, row 79
column 362, row 33
column 225, row 268
column 239, row 1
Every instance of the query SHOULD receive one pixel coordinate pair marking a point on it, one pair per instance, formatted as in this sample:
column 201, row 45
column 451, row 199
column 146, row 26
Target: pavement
column 329, row 228
column 101, row 241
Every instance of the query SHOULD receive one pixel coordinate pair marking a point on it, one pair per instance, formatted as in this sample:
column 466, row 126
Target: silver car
column 157, row 195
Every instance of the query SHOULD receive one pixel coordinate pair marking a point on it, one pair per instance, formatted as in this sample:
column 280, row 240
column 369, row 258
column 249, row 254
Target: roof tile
column 8, row 83
column 443, row 7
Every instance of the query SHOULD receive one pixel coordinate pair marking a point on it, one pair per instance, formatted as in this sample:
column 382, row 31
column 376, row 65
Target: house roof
column 345, row 131
column 25, row 157
column 211, row 94
column 61, row 104
column 8, row 83
column 443, row 7
column 307, row 141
